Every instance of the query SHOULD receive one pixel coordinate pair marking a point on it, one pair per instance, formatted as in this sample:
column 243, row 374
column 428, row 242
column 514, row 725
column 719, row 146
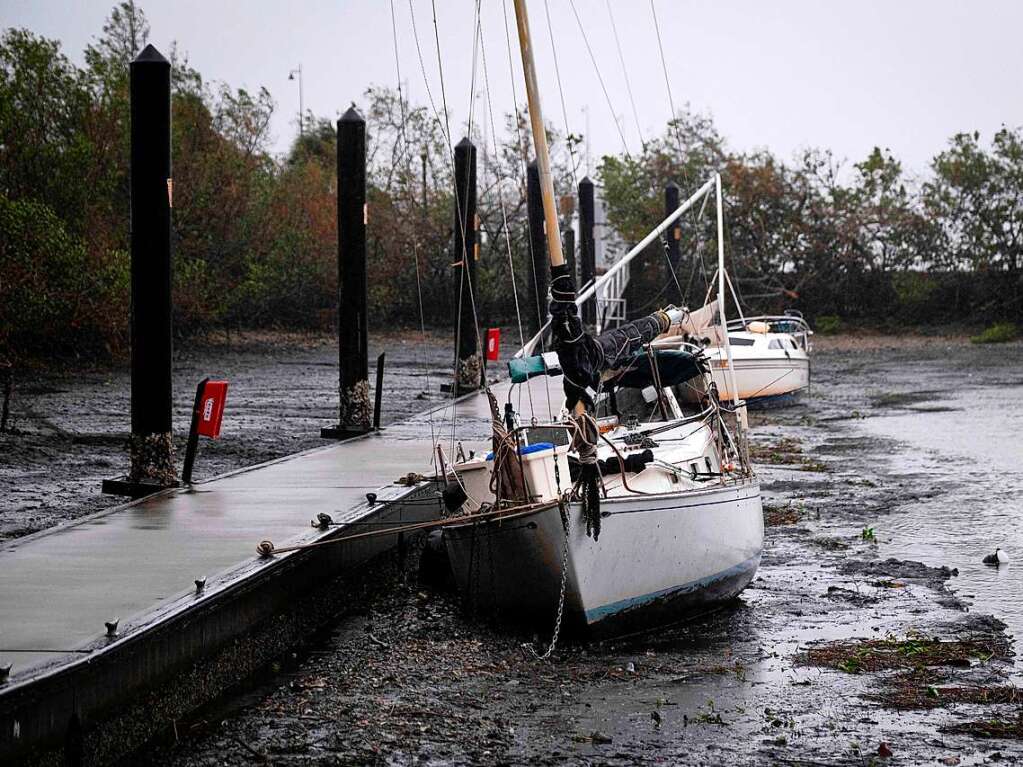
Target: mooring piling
column 568, row 234
column 354, row 407
column 537, row 249
column 468, row 362
column 151, row 443
column 672, row 199
column 587, row 248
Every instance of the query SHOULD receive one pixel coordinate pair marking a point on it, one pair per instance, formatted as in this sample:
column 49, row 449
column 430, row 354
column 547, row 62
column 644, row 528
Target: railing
column 793, row 324
column 611, row 308
column 622, row 264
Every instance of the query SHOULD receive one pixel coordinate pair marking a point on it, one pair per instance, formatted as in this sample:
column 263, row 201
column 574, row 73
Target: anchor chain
column 567, row 524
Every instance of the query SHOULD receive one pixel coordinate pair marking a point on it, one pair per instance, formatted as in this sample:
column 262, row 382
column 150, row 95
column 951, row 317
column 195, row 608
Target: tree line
column 254, row 234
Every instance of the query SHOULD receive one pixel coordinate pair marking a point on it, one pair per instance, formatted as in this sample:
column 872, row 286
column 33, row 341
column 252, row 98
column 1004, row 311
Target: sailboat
column 770, row 354
column 632, row 508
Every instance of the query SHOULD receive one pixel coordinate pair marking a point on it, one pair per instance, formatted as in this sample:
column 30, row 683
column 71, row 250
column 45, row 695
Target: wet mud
column 872, row 633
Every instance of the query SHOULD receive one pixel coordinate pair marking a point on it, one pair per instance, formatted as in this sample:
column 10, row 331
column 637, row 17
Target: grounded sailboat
column 770, row 354
column 630, row 509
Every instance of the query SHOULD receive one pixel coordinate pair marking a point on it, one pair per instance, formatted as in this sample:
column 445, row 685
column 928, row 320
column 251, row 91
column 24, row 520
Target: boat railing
column 793, row 324
column 621, row 264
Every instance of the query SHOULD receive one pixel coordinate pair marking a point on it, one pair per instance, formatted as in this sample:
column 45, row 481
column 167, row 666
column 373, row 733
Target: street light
column 301, row 107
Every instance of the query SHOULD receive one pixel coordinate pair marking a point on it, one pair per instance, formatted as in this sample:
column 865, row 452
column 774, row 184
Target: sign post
column 207, row 416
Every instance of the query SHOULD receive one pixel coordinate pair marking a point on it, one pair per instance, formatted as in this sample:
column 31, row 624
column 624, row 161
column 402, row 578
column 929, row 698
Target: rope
column 415, row 240
column 607, row 98
column 523, row 156
column 504, row 216
column 667, row 83
column 266, row 548
column 625, row 73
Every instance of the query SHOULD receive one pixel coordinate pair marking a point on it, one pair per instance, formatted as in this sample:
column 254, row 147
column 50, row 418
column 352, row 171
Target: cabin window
column 734, row 341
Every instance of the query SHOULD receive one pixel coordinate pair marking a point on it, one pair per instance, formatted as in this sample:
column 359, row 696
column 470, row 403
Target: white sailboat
column 630, row 509
column 770, row 354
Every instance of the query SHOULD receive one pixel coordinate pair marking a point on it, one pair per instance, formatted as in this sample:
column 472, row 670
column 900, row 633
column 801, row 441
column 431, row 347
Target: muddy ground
column 836, row 654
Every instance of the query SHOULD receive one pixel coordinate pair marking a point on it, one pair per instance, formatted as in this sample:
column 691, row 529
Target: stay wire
column 415, row 240
column 600, row 79
column 524, row 158
column 504, row 212
column 625, row 74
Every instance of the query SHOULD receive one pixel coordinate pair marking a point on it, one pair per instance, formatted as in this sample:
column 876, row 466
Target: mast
column 721, row 291
column 543, row 160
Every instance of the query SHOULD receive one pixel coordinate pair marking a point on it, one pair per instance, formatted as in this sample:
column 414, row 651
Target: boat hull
column 762, row 380
column 657, row 559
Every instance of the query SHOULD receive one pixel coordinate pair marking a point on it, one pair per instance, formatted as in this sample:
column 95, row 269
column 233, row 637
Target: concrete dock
column 137, row 563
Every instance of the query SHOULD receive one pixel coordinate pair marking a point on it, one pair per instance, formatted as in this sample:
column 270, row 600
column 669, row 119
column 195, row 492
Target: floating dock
column 142, row 564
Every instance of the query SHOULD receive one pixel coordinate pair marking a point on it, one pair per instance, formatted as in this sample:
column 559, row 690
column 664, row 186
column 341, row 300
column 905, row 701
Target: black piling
column 672, row 199
column 151, row 444
column 587, row 247
column 468, row 363
column 355, row 409
column 540, row 278
column 378, row 392
column 568, row 234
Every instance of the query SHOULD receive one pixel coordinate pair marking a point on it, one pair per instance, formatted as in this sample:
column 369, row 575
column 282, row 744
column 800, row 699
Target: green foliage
column 999, row 333
column 255, row 240
column 828, row 325
column 53, row 293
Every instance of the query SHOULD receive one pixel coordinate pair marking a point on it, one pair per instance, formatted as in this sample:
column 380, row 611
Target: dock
column 179, row 572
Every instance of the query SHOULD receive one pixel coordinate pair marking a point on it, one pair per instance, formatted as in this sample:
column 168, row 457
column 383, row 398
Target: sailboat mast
column 543, row 160
column 721, row 291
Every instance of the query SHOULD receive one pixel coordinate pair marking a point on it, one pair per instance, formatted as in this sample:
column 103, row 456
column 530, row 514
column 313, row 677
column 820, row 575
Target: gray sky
column 786, row 74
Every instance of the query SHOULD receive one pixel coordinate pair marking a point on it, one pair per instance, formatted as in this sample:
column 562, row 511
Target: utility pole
column 301, row 103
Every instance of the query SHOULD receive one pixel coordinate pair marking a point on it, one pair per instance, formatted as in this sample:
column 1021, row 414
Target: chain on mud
column 566, row 523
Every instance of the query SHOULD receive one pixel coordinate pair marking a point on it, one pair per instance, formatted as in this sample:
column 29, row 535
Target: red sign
column 211, row 408
column 493, row 344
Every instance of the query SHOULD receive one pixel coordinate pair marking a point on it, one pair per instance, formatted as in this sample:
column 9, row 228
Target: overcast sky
column 784, row 74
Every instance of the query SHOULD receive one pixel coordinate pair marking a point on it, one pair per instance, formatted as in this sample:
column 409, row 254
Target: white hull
column 762, row 378
column 657, row 557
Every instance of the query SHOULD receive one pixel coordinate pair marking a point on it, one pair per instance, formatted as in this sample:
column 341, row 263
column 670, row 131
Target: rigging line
column 625, row 72
column 667, row 80
column 524, row 159
column 462, row 215
column 415, row 240
column 593, row 60
column 426, row 82
column 671, row 100
column 504, row 212
column 561, row 93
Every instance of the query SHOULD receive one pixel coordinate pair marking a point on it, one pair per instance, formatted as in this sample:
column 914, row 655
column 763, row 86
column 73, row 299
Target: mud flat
column 872, row 634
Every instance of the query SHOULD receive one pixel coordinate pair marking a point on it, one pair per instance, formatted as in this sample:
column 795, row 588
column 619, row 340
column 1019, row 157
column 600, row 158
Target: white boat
column 625, row 511
column 771, row 356
column 675, row 537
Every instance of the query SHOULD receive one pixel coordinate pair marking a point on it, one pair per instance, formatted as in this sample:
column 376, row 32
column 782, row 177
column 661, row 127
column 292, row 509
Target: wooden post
column 538, row 249
column 468, row 362
column 587, row 248
column 355, row 409
column 151, row 444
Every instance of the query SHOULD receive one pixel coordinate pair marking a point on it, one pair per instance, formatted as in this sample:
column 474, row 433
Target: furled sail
column 583, row 357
